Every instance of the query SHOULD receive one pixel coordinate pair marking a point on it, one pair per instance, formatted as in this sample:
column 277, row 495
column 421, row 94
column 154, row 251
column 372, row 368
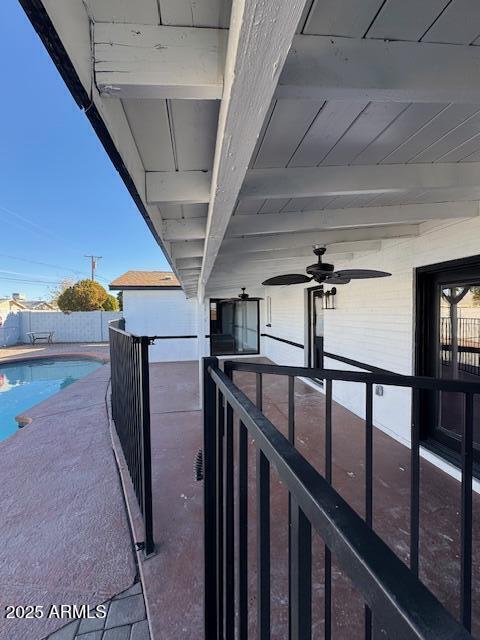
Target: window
column 448, row 346
column 234, row 327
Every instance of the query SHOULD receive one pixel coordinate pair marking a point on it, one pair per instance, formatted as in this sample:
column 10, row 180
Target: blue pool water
column 27, row 383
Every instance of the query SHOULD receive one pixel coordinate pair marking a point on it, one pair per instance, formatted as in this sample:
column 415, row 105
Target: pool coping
column 23, row 419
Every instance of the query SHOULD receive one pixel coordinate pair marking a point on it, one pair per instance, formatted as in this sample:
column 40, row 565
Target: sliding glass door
column 234, row 327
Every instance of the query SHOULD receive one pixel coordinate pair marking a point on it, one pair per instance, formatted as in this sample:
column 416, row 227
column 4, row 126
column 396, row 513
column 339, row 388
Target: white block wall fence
column 9, row 330
column 77, row 326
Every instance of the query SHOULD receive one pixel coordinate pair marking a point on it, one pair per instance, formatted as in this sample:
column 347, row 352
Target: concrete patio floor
column 64, row 531
column 173, row 578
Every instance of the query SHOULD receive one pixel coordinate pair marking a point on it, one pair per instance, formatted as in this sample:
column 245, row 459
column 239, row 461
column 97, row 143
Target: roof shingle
column 143, row 279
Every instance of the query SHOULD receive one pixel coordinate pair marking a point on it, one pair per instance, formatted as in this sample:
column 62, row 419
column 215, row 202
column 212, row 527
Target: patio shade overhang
column 248, row 131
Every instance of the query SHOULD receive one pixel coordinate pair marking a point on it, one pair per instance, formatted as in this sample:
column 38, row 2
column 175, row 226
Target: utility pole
column 93, row 263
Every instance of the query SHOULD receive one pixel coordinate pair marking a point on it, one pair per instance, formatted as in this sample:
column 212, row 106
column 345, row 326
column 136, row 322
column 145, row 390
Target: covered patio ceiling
column 248, row 130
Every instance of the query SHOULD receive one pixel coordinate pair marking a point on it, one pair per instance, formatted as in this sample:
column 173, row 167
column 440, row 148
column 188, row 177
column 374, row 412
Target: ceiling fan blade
column 289, row 278
column 359, row 274
column 337, row 280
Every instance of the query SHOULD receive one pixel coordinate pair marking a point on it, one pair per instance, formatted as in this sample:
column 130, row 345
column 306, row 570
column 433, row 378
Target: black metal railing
column 131, row 415
column 467, row 340
column 397, row 604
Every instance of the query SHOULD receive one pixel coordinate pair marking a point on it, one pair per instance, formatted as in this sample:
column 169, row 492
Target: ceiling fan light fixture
column 323, row 272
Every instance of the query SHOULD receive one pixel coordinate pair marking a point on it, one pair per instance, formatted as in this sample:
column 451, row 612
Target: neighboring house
column 11, row 305
column 39, row 305
column 155, row 305
column 19, row 303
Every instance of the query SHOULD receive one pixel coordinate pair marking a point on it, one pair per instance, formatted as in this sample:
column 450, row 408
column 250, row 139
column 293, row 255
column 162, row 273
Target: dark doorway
column 234, row 327
column 315, row 327
column 448, row 346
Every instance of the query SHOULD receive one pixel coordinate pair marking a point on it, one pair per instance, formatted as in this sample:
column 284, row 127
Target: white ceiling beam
column 184, row 229
column 151, row 61
column 193, row 249
column 188, row 263
column 189, row 272
column 280, row 255
column 334, row 68
column 178, row 187
column 337, row 249
column 344, row 218
column 260, row 36
column 305, row 239
column 360, row 179
column 244, row 267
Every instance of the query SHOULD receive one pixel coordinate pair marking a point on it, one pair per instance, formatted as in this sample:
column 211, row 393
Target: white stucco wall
column 163, row 313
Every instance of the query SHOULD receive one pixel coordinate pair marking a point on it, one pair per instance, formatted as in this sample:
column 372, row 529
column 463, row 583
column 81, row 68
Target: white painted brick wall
column 374, row 319
column 78, row 326
column 163, row 313
column 287, row 322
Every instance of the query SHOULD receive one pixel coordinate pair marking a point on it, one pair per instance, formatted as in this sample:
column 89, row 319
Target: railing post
column 146, row 447
column 209, row 500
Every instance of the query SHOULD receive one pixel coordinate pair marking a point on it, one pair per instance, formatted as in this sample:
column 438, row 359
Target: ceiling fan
column 325, row 273
column 242, row 297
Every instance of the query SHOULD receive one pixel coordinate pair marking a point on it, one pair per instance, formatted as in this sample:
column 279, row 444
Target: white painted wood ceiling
column 178, row 135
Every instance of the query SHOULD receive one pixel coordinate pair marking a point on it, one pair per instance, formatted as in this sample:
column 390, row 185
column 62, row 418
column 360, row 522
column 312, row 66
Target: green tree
column 120, row 300
column 84, row 295
column 110, row 304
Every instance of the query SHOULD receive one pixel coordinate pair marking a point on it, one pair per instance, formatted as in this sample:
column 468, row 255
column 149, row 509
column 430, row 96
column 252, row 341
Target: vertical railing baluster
column 291, row 439
column 263, row 531
column 466, row 514
column 259, row 391
column 210, row 434
column 242, row 524
column 229, row 551
column 368, row 481
column 301, row 575
column 415, row 483
column 328, row 477
column 263, row 546
column 219, row 515
column 146, row 448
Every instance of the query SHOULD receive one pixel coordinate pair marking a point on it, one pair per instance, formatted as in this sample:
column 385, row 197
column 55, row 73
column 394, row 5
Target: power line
column 47, row 264
column 30, row 281
column 39, row 229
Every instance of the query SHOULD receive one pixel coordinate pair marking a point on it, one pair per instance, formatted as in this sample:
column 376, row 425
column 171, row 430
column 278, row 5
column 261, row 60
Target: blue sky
column 60, row 197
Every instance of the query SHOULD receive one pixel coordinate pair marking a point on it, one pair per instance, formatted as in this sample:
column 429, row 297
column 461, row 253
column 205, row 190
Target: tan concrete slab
column 64, row 535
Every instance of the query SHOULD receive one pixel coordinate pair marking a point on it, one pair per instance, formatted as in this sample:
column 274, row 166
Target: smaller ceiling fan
column 242, row 297
column 325, row 273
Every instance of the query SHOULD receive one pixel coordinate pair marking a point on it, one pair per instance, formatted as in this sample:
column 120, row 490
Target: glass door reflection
column 458, row 353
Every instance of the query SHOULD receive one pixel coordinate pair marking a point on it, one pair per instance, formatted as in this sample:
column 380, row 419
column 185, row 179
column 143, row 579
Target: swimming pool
column 26, row 383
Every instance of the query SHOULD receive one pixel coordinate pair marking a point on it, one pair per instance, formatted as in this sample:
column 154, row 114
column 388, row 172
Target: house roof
column 145, row 280
column 29, row 305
